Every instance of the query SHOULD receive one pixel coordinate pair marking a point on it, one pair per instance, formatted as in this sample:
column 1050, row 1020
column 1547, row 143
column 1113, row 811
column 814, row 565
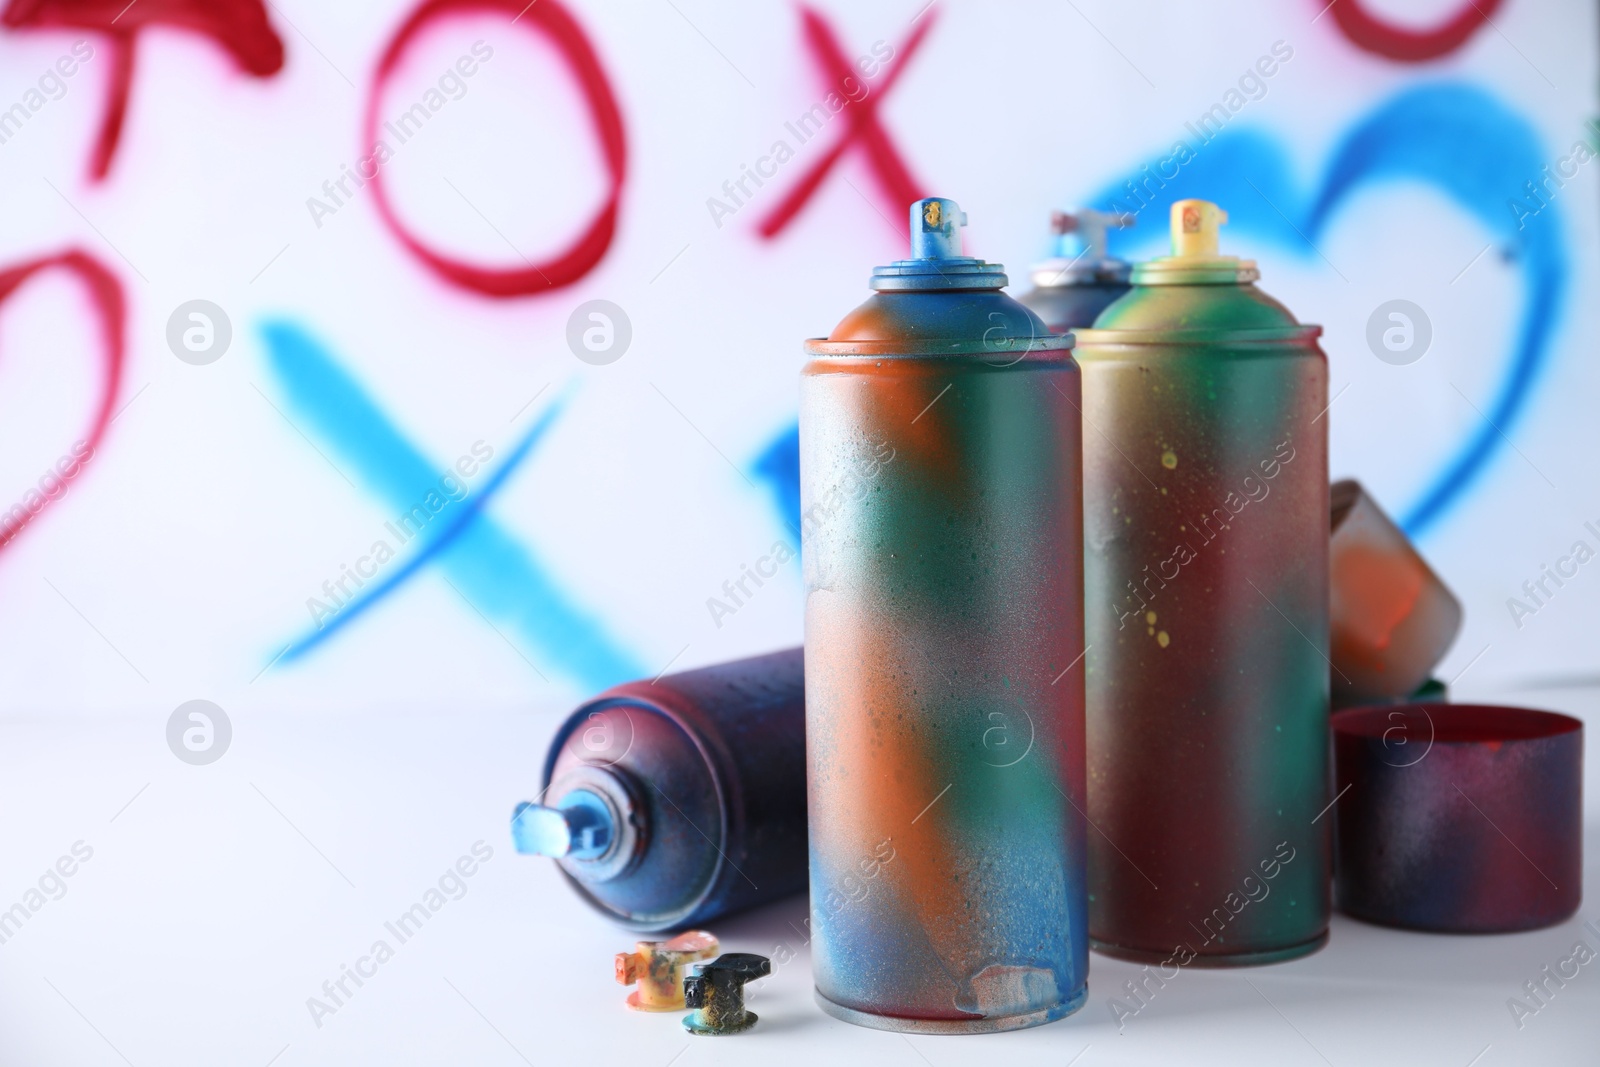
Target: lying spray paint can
column 671, row 802
column 1071, row 288
column 1392, row 617
column 944, row 615
column 1206, row 569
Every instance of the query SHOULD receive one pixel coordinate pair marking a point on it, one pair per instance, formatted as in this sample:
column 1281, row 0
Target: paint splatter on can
column 941, row 508
column 674, row 801
column 1206, row 569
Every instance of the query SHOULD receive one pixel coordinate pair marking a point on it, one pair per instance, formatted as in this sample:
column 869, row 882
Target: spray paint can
column 944, row 723
column 670, row 802
column 1392, row 617
column 1206, row 569
column 1072, row 287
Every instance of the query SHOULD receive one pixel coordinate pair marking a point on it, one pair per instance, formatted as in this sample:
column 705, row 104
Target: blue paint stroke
column 778, row 467
column 1453, row 137
column 491, row 568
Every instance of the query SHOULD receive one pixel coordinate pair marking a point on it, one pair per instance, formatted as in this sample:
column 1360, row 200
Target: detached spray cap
column 1081, row 255
column 1195, row 258
column 936, row 261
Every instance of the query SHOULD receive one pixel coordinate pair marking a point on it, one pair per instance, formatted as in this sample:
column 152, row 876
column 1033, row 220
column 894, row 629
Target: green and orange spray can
column 1206, row 570
column 944, row 624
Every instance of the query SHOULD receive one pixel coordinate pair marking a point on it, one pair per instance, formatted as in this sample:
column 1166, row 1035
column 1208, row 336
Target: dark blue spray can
column 670, row 802
column 1072, row 287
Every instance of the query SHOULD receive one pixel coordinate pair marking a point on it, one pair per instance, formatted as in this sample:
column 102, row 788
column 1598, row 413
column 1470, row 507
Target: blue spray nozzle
column 936, row 228
column 579, row 827
column 936, row 261
column 1082, row 234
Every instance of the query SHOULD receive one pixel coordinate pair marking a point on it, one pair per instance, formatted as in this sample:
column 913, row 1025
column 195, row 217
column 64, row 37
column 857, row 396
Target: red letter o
column 1410, row 46
column 577, row 260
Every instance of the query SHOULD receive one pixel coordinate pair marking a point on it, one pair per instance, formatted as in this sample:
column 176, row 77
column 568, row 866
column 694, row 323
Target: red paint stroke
column 892, row 175
column 550, row 17
column 1372, row 34
column 105, row 294
column 240, row 26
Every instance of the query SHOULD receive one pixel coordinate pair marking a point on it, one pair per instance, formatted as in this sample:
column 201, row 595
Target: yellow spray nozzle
column 1195, row 259
column 1194, row 228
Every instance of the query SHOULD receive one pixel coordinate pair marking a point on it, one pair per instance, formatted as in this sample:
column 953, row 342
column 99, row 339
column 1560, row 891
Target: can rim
column 1005, row 347
column 1210, row 335
column 1186, row 270
column 1062, row 273
column 1489, row 727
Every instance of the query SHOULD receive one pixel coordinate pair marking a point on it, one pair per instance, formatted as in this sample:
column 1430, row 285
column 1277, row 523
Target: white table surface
column 219, row 898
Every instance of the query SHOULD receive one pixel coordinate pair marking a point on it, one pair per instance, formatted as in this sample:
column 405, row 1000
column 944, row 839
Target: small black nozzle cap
column 716, row 991
column 740, row 966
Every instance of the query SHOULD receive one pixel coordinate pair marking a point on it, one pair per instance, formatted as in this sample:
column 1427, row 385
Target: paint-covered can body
column 940, row 492
column 1206, row 569
column 673, row 801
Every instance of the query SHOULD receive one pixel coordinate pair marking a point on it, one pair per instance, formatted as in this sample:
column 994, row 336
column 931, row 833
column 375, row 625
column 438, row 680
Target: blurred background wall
column 393, row 459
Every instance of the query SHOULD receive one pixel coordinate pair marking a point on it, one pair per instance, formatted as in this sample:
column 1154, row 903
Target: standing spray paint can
column 673, row 801
column 944, row 722
column 1072, row 287
column 1206, row 563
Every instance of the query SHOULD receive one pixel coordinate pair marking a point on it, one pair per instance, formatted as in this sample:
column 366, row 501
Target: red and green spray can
column 944, row 706
column 1206, row 569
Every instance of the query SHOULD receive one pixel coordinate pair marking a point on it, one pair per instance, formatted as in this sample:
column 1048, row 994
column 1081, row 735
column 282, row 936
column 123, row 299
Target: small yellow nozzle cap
column 1194, row 228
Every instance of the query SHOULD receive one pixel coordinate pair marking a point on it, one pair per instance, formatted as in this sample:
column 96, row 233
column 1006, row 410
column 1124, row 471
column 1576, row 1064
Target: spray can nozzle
column 589, row 819
column 1194, row 228
column 936, row 228
column 1082, row 234
column 579, row 827
column 1082, row 258
column 657, row 967
column 1196, row 258
column 716, row 991
column 936, row 261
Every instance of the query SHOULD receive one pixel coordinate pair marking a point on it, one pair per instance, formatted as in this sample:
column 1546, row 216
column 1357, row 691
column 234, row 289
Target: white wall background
column 179, row 563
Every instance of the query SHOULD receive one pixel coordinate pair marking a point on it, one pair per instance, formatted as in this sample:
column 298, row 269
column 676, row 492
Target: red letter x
column 893, row 178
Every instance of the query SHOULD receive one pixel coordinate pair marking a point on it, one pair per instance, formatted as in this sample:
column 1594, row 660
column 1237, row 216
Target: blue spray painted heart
column 1454, row 137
